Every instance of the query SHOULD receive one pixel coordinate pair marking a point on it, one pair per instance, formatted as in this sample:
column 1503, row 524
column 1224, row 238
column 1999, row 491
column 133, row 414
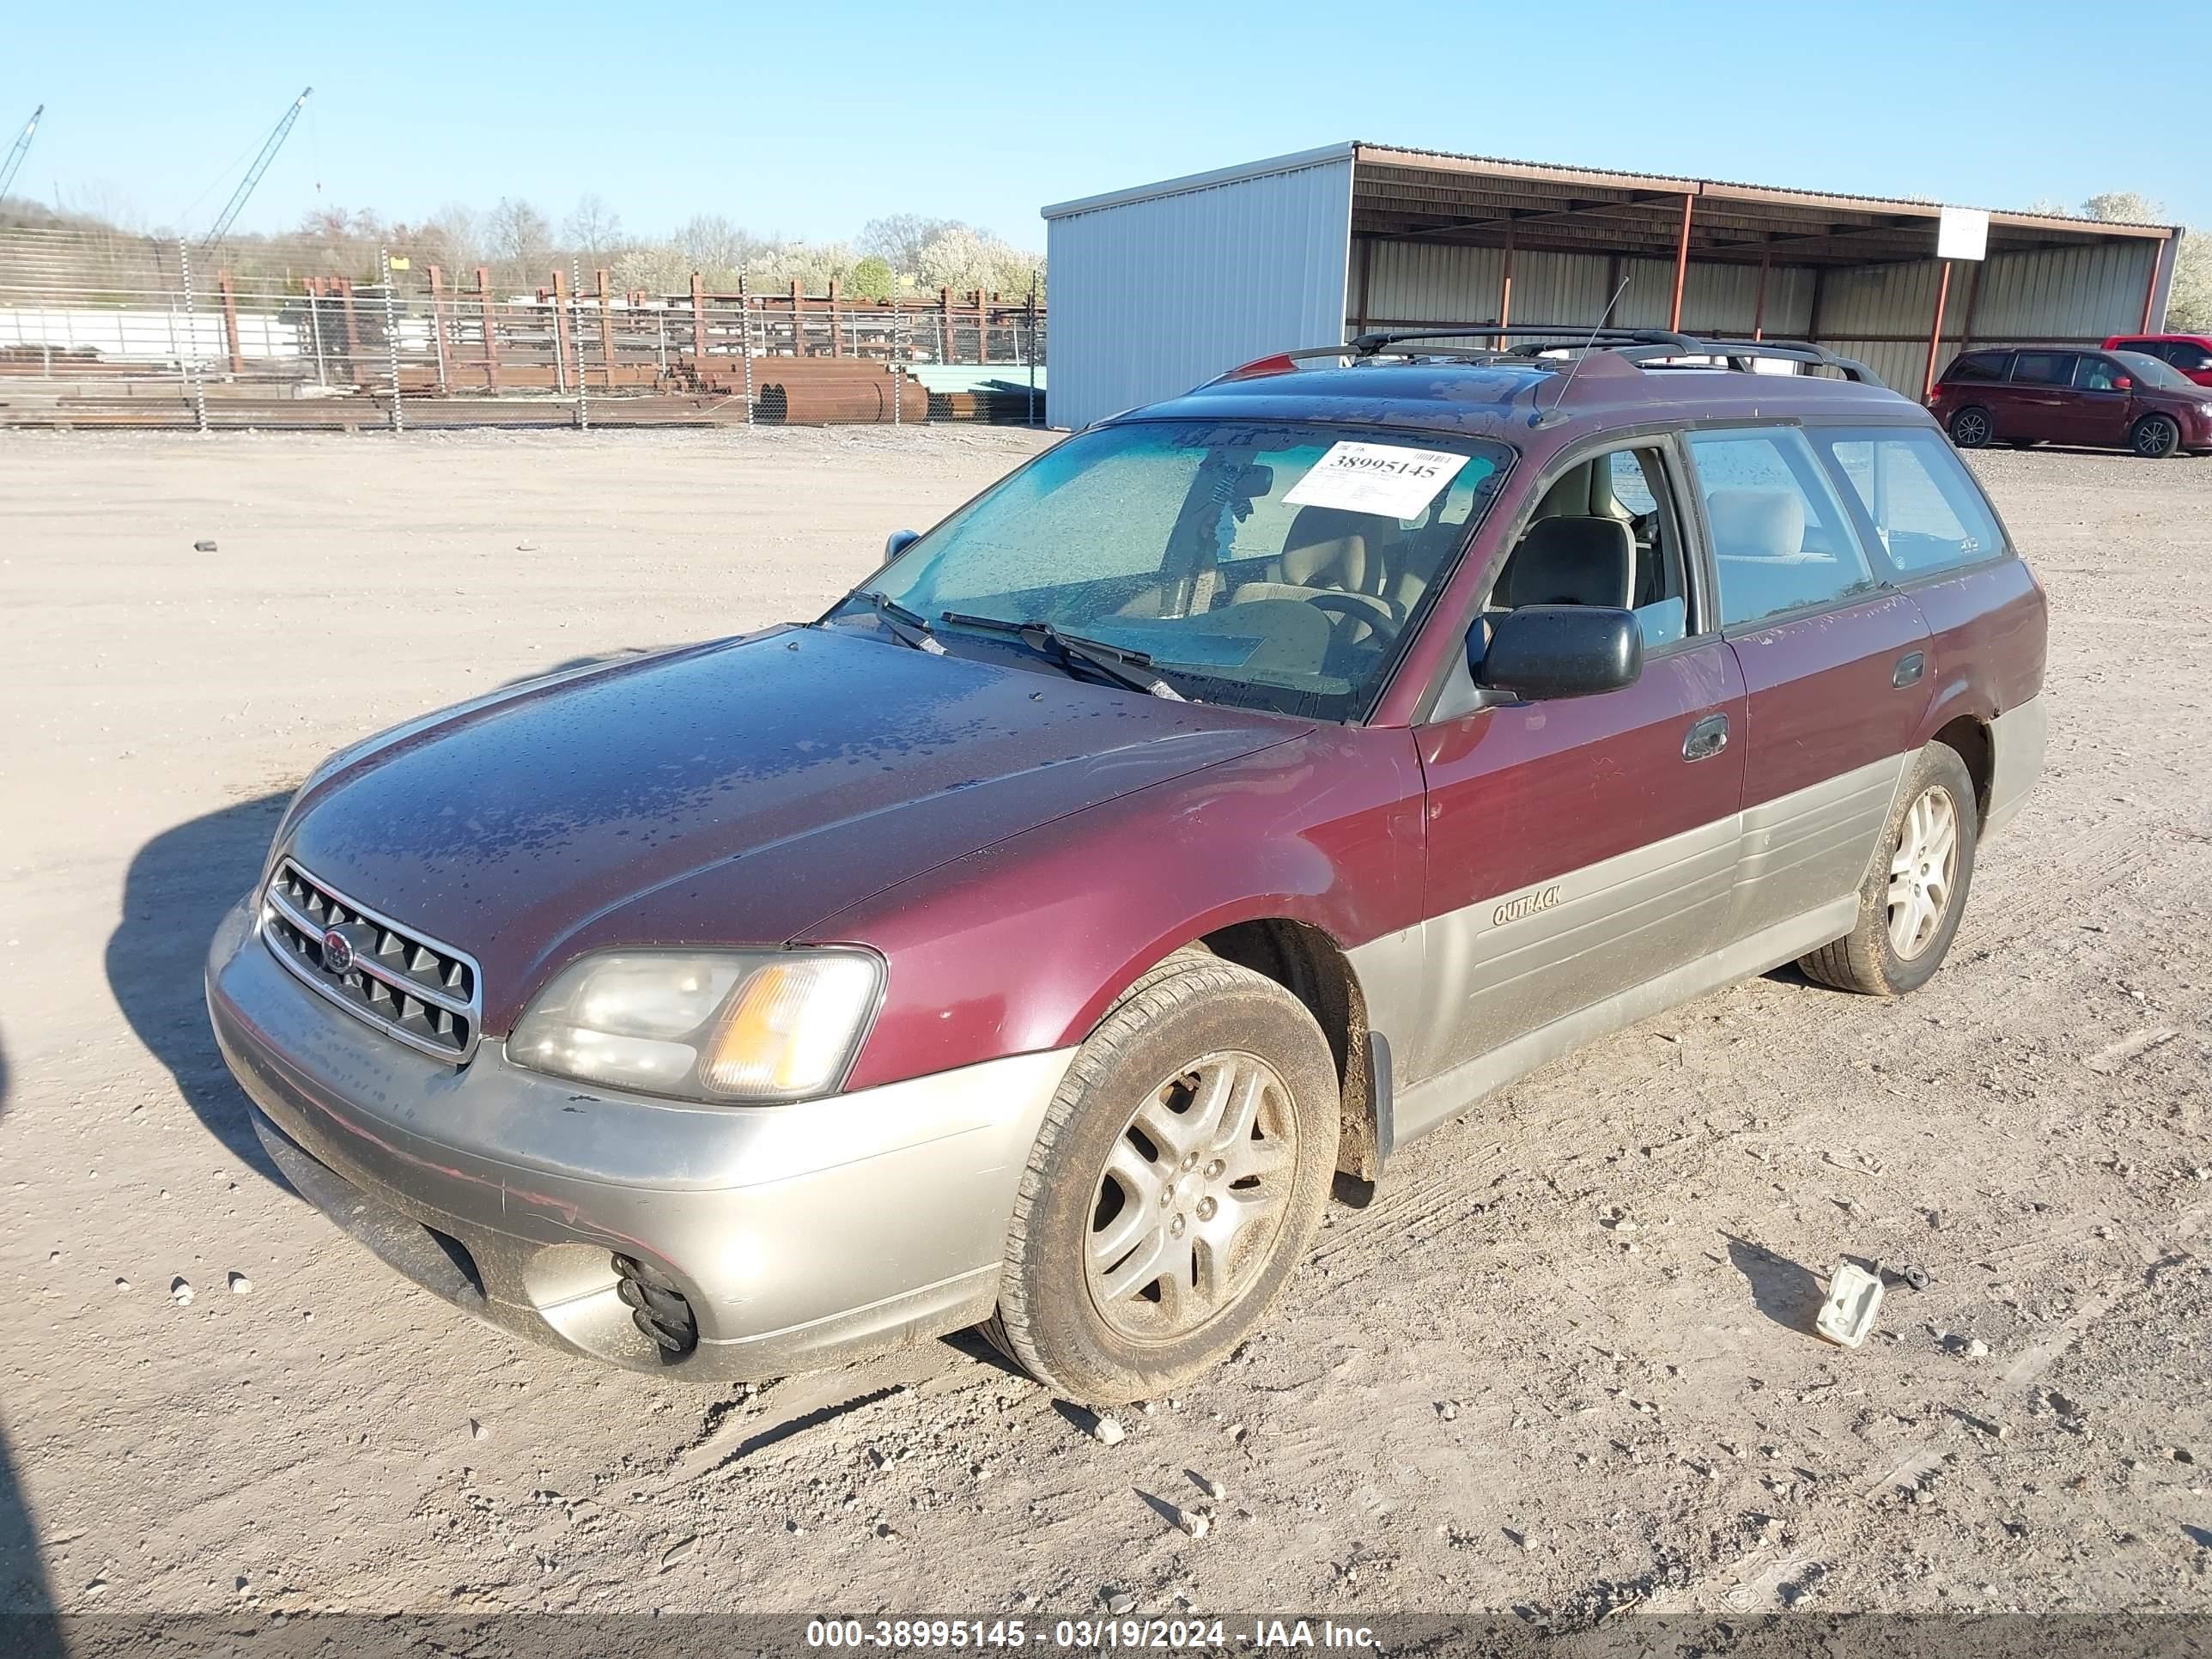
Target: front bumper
column 800, row 1235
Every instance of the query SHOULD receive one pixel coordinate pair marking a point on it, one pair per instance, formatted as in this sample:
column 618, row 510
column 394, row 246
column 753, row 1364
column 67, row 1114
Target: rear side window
column 1978, row 366
column 1781, row 541
column 1926, row 509
column 2043, row 368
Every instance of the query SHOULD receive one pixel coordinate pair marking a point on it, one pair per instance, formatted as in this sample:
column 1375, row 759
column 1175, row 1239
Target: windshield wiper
column 1128, row 668
column 907, row 627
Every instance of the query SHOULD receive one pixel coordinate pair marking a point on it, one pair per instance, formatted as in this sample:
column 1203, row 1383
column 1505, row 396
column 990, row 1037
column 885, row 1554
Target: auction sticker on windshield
column 1385, row 479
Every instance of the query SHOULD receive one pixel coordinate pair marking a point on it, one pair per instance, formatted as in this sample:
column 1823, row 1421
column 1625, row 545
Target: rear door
column 1834, row 663
column 2036, row 403
column 1584, row 846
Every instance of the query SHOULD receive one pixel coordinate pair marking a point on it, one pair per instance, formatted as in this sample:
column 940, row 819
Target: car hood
column 732, row 793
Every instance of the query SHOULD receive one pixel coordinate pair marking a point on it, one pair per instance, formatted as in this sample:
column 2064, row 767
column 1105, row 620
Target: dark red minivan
column 1246, row 785
column 2028, row 395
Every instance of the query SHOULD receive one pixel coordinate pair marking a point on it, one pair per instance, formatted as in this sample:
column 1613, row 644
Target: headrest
column 1330, row 541
column 1757, row 524
column 1571, row 561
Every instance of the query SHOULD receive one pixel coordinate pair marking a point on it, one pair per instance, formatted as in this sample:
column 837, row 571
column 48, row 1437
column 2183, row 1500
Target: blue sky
column 806, row 121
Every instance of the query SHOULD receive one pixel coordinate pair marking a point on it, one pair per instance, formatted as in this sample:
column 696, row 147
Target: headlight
column 709, row 1025
column 2205, row 409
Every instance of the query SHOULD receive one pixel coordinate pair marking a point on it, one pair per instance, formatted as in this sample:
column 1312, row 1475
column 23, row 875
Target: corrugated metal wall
column 1880, row 314
column 1152, row 296
column 1418, row 283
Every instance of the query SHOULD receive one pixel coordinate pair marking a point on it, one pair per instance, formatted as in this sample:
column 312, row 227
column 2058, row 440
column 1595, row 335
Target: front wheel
column 1916, row 887
column 1971, row 428
column 1180, row 1171
column 2155, row 437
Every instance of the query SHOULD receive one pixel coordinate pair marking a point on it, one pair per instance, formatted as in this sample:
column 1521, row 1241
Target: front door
column 1836, row 675
column 2102, row 404
column 1582, row 846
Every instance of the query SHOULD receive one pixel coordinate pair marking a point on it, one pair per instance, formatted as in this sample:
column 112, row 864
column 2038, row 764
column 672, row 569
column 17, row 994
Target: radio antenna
column 1591, row 345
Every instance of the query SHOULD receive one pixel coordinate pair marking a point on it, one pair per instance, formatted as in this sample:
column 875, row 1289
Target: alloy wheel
column 1196, row 1189
column 1922, row 872
column 2153, row 438
column 1972, row 429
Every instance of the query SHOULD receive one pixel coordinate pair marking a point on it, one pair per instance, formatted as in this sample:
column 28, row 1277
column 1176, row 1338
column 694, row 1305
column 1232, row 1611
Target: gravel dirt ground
column 1560, row 1366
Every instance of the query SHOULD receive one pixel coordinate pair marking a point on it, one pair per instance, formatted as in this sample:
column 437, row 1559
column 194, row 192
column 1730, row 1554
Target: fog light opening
column 657, row 1307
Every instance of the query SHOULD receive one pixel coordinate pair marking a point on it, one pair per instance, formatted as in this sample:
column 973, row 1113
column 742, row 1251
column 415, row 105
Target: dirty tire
column 1972, row 427
column 1191, row 1005
column 2155, row 437
column 1867, row 959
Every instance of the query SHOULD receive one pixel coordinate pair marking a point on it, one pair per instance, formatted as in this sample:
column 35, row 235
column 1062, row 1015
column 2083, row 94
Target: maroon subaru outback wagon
column 1237, row 791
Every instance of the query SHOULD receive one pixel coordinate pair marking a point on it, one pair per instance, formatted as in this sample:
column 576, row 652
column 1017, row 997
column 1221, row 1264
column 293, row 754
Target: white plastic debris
column 1854, row 1299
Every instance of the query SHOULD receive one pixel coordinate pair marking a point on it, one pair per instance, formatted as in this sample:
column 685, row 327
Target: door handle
column 1909, row 669
column 1706, row 738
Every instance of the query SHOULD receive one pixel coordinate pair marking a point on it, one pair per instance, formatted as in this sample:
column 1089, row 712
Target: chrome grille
column 427, row 995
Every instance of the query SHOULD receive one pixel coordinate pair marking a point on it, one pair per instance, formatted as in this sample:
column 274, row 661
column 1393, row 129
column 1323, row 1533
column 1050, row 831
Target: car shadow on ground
column 179, row 886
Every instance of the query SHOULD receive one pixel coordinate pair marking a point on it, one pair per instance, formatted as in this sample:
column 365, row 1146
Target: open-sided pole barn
column 1156, row 287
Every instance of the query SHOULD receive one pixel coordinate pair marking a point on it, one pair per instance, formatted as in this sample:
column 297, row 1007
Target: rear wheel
column 1182, row 1169
column 1916, row 887
column 1972, row 427
column 2155, row 437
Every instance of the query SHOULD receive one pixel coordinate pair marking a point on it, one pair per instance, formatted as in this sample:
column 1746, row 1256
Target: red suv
column 2050, row 394
column 1243, row 787
column 2190, row 353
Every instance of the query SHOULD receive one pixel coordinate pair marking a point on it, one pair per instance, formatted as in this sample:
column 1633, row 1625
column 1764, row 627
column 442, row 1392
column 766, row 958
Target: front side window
column 1926, row 509
column 1781, row 541
column 1278, row 566
column 2103, row 373
column 1604, row 532
column 2187, row 356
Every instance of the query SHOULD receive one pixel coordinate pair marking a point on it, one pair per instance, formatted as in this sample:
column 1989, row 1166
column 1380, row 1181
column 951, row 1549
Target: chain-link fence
column 99, row 330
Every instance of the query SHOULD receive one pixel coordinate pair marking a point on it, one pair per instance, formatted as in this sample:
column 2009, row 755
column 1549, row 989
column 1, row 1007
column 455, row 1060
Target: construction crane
column 253, row 173
column 22, row 148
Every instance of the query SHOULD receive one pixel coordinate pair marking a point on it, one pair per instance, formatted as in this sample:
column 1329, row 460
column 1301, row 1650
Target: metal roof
column 1402, row 193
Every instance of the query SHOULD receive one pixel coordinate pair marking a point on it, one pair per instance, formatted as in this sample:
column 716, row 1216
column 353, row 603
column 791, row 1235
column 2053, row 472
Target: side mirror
column 2122, row 383
column 898, row 541
column 1542, row 651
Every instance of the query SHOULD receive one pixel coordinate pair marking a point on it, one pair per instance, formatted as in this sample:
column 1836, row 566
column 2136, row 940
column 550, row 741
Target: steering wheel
column 1353, row 607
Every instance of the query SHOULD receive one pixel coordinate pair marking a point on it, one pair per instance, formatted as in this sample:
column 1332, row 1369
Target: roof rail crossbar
column 1367, row 345
column 1533, row 340
column 1808, row 351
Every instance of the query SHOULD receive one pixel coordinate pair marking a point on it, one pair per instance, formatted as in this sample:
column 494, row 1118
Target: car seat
column 1563, row 561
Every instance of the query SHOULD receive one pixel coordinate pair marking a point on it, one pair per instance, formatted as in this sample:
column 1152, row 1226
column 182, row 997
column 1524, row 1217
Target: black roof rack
column 1634, row 345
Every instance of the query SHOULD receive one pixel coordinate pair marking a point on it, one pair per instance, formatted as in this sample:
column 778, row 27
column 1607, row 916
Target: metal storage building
column 1158, row 287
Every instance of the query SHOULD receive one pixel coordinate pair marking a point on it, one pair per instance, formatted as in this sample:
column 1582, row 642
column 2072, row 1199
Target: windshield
column 2155, row 371
column 1278, row 567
